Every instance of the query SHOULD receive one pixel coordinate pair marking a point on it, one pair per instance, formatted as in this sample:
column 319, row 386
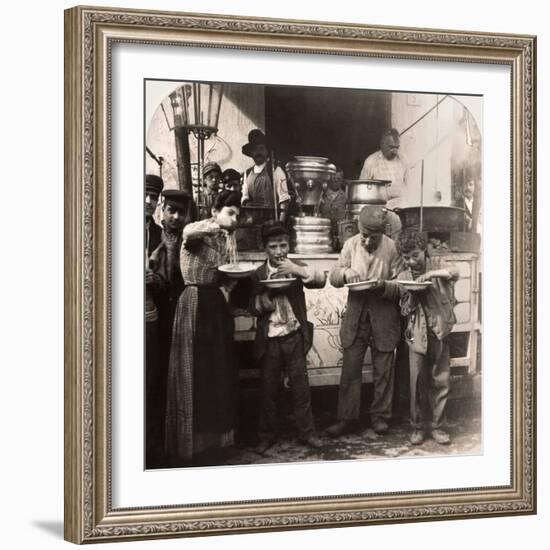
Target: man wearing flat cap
column 264, row 184
column 164, row 262
column 371, row 319
column 212, row 178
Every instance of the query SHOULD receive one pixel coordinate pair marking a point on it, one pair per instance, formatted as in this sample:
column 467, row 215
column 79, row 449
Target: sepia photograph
column 300, row 274
column 313, row 274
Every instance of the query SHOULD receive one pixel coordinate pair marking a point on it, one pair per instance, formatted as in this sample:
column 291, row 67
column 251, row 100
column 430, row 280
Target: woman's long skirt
column 202, row 375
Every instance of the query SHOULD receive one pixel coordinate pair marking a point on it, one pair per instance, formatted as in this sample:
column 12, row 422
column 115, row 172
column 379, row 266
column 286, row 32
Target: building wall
column 242, row 109
column 439, row 139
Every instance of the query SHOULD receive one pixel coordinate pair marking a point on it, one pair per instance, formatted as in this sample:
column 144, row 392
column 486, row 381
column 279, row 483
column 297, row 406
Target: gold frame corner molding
column 89, row 36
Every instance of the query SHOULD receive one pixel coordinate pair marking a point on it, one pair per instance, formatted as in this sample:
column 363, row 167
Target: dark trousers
column 285, row 354
column 430, row 377
column 349, row 392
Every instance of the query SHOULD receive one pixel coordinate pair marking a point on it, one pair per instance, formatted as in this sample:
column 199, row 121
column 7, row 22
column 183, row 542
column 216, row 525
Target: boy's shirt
column 431, row 309
column 282, row 321
column 296, row 298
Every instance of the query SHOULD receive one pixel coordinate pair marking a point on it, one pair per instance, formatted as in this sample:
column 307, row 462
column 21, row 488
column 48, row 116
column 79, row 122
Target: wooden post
column 183, row 154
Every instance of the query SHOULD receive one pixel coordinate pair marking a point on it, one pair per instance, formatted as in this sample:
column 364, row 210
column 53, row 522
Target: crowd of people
column 192, row 377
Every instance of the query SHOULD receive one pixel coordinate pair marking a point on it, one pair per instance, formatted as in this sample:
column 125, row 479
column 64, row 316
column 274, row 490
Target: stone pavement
column 463, row 424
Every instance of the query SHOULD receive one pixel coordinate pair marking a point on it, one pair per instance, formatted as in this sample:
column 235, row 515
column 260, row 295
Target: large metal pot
column 367, row 191
column 310, row 176
column 440, row 219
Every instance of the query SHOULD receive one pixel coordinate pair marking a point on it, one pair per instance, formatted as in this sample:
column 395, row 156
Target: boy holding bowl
column 431, row 319
column 283, row 335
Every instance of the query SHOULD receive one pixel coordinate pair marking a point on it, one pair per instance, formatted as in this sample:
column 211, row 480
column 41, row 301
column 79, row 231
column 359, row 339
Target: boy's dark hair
column 409, row 239
column 227, row 198
column 273, row 228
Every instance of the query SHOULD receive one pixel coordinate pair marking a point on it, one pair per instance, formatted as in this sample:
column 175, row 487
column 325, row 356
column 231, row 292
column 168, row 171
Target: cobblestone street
column 463, row 424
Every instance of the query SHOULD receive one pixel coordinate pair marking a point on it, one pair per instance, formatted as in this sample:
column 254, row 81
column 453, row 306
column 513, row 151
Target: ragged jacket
column 384, row 263
column 437, row 303
column 295, row 294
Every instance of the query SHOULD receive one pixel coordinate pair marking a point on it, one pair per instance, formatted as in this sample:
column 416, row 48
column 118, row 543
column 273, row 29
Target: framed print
column 299, row 279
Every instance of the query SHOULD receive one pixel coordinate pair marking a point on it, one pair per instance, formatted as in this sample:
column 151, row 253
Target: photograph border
column 90, row 34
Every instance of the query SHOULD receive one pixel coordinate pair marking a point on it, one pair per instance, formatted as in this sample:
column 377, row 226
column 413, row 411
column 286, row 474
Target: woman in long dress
column 202, row 374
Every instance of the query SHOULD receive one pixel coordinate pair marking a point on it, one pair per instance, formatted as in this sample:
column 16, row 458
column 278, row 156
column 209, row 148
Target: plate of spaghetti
column 237, row 270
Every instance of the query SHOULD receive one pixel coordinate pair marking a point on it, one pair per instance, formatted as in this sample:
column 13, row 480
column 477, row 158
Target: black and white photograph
column 312, row 274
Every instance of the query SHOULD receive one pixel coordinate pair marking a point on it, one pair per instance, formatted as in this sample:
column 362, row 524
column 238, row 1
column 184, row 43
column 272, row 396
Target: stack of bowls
column 311, row 235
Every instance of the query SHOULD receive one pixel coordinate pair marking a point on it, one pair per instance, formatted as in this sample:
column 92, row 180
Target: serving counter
column 326, row 306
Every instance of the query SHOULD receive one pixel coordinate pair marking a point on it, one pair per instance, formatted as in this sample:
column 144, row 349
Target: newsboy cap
column 210, row 167
column 153, row 184
column 230, row 175
column 176, row 198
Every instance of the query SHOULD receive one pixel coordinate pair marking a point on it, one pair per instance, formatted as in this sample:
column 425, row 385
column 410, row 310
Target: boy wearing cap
column 264, row 184
column 231, row 180
column 371, row 319
column 212, row 177
column 430, row 316
column 154, row 287
column 283, row 336
column 164, row 264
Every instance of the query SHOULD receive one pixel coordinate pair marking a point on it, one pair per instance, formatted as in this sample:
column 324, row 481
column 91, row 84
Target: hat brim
column 247, row 148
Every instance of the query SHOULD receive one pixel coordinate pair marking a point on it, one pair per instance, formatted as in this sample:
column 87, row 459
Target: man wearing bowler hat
column 264, row 184
column 371, row 319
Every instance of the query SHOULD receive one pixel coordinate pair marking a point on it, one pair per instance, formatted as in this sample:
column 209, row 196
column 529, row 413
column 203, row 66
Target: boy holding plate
column 431, row 319
column 283, row 335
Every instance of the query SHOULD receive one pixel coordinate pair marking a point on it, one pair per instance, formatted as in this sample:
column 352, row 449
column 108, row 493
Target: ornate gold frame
column 89, row 35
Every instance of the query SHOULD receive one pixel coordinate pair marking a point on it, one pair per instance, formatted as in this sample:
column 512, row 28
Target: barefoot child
column 430, row 320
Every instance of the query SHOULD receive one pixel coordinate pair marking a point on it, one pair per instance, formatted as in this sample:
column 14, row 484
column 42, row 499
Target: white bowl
column 238, row 270
column 415, row 285
column 277, row 283
column 361, row 285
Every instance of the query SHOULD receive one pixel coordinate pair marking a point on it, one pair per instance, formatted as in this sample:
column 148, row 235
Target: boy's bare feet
column 417, row 437
column 441, row 437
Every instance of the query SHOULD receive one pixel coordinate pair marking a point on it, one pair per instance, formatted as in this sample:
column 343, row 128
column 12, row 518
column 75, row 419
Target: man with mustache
column 264, row 184
column 388, row 164
column 371, row 319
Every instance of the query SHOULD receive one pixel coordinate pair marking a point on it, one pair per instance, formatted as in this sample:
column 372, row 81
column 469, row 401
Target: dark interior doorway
column 341, row 124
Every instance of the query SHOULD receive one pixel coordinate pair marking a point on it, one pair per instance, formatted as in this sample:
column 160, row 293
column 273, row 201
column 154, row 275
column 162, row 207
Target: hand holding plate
column 351, row 276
